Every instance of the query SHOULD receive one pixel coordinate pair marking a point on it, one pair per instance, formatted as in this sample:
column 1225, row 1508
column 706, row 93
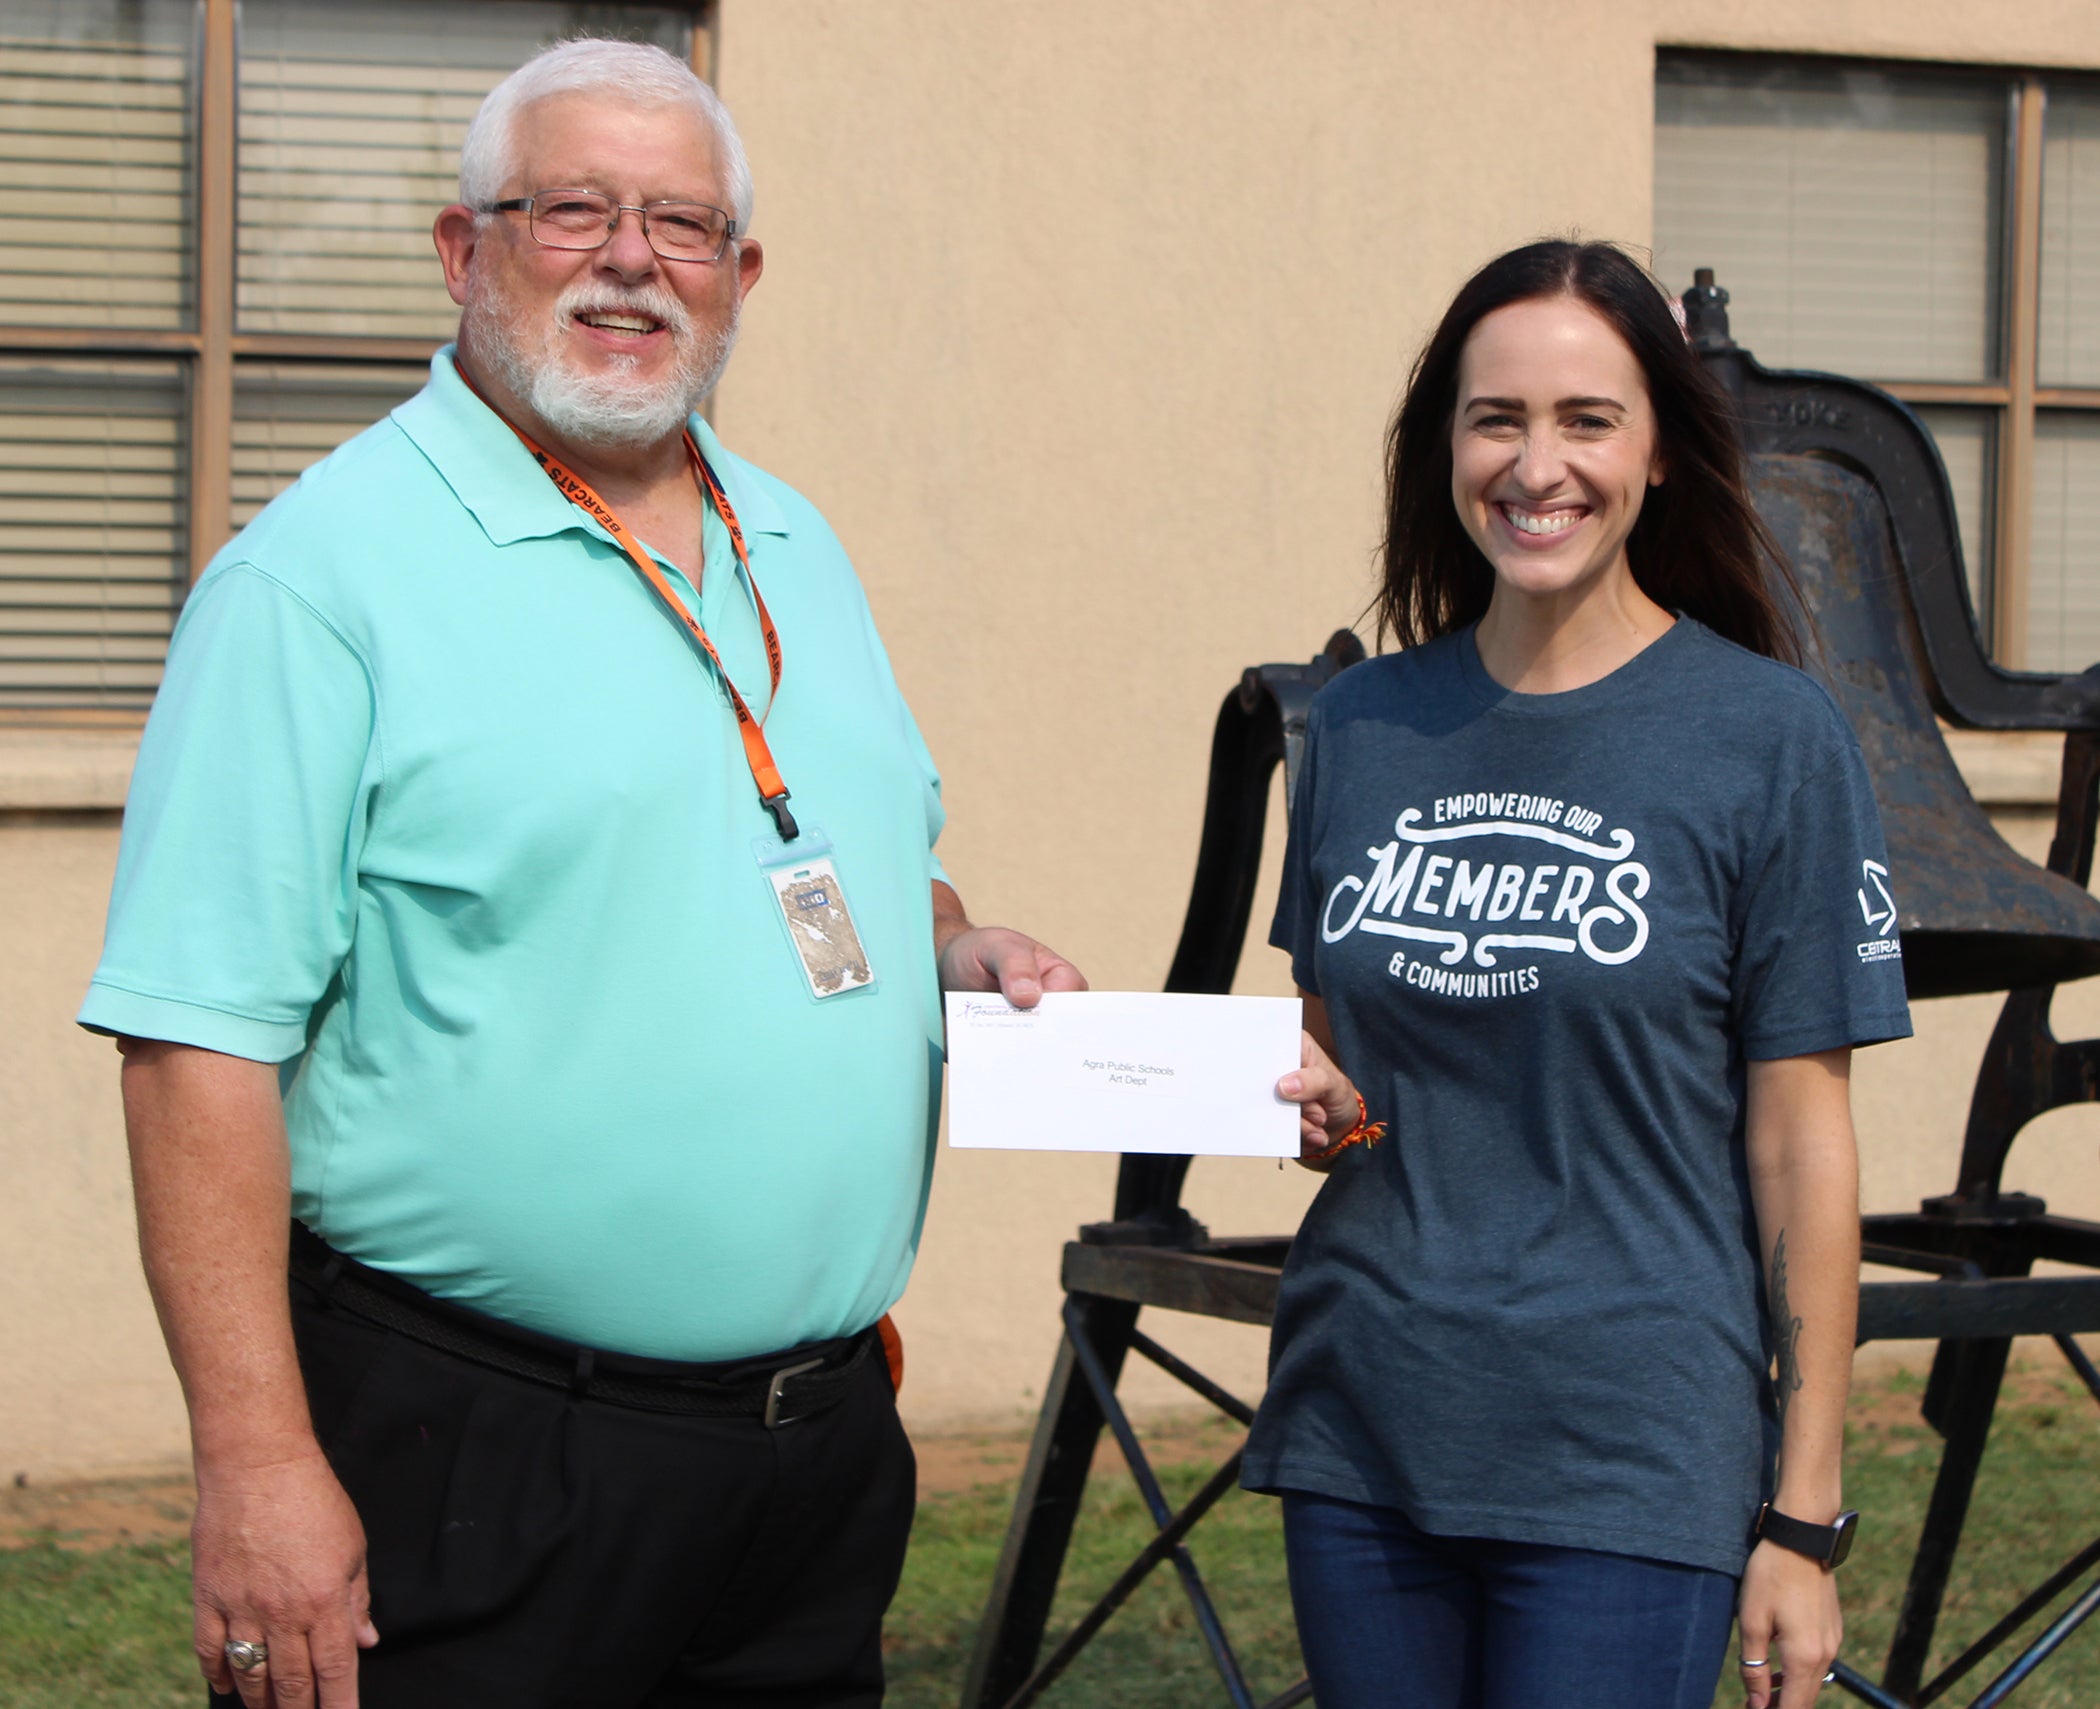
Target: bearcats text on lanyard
column 772, row 791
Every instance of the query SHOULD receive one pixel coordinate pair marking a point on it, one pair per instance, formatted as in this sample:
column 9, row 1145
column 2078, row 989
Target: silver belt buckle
column 780, row 1381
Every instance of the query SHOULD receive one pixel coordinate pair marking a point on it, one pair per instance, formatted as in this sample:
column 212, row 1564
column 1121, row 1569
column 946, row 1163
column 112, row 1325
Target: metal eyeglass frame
column 525, row 205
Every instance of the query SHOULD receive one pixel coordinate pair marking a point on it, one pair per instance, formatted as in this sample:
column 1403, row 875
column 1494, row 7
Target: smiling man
column 527, row 938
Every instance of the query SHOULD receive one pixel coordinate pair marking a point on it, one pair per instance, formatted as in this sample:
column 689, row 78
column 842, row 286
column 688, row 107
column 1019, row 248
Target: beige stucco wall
column 1082, row 324
column 88, row 1386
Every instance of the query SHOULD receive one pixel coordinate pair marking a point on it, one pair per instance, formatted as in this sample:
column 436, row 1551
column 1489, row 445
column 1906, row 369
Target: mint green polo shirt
column 439, row 810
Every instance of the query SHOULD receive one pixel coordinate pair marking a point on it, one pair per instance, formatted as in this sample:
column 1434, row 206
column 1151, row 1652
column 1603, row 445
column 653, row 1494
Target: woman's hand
column 1326, row 1100
column 1789, row 1621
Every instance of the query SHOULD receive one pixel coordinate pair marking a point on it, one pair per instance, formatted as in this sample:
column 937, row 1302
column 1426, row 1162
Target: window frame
column 212, row 347
column 2015, row 397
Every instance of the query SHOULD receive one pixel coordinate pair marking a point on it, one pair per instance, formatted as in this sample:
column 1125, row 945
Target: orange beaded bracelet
column 1366, row 1133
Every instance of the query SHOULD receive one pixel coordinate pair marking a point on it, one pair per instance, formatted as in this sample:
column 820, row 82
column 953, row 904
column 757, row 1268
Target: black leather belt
column 776, row 1389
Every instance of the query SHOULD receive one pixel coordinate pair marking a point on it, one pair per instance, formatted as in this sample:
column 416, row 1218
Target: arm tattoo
column 1786, row 1331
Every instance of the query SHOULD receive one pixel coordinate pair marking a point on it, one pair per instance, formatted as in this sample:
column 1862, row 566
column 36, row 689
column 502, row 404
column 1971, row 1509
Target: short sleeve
column 1297, row 907
column 235, row 888
column 1819, row 961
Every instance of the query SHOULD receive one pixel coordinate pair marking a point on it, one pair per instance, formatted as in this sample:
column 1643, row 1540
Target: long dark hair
column 1699, row 546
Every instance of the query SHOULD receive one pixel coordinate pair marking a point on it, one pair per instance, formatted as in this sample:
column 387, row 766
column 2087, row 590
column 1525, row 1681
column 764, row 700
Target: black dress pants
column 532, row 1550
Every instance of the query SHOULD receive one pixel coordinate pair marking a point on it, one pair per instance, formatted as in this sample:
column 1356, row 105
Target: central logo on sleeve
column 1879, row 911
column 1571, row 893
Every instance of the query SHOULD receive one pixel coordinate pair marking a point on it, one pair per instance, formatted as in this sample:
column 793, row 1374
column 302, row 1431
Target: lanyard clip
column 777, row 805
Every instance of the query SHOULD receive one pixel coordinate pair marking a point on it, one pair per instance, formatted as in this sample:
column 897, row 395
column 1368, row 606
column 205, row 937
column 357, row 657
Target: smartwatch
column 1827, row 1545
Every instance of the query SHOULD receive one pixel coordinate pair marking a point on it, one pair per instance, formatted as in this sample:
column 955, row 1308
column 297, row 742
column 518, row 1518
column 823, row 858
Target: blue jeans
column 1393, row 1618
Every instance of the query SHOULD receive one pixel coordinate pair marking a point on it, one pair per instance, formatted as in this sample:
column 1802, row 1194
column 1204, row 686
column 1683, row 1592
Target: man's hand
column 994, row 958
column 1789, row 1621
column 278, row 1557
column 1326, row 1101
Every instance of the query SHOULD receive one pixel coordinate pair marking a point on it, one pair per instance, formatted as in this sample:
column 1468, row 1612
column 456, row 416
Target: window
column 1937, row 232
column 216, row 268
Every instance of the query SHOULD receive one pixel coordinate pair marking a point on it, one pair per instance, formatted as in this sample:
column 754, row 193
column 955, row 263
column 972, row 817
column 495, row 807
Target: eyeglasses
column 583, row 219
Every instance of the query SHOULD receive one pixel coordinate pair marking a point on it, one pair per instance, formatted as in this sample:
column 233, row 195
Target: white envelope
column 1123, row 1071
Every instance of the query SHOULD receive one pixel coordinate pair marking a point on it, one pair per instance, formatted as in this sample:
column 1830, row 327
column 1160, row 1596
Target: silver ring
column 1831, row 1675
column 245, row 1657
column 1745, row 1661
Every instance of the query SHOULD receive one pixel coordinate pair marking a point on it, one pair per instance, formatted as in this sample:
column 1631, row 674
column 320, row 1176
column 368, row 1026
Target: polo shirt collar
column 495, row 478
column 756, row 508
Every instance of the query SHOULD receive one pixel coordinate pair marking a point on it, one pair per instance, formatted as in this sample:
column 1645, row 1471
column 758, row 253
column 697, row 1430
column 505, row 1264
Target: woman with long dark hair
column 1574, row 896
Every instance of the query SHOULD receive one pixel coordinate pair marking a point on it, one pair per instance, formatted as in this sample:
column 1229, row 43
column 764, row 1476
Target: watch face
column 1841, row 1540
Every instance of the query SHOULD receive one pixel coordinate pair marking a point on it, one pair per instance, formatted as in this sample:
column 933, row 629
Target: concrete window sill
column 2009, row 768
column 85, row 768
column 65, row 768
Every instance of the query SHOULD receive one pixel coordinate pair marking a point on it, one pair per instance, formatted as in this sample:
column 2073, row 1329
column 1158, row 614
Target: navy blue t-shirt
column 1549, row 931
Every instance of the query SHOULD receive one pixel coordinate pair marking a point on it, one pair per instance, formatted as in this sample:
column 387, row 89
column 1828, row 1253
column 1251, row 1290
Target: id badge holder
column 802, row 878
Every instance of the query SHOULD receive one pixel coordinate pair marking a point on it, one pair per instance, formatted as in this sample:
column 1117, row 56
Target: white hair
column 635, row 72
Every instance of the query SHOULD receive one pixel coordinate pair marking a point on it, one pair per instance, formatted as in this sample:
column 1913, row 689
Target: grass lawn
column 84, row 1629
column 102, row 1627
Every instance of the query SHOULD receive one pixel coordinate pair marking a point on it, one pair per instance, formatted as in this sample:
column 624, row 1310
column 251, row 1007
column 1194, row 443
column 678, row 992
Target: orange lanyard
column 579, row 492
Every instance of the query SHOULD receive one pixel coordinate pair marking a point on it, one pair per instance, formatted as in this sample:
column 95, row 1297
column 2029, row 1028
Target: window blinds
column 1853, row 216
column 1967, row 439
column 2070, row 329
column 96, row 144
column 347, row 128
column 289, row 415
column 1856, row 219
column 351, row 117
column 91, row 529
column 2063, row 590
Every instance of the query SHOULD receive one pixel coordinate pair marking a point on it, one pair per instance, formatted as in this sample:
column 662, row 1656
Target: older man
column 527, row 899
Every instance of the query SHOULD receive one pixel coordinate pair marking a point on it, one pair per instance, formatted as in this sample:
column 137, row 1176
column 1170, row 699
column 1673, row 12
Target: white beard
column 606, row 408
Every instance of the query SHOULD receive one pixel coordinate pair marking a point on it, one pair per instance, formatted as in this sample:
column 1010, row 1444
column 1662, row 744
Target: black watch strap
column 1827, row 1544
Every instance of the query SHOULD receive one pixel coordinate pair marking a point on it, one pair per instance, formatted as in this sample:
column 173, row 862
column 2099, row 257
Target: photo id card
column 804, row 879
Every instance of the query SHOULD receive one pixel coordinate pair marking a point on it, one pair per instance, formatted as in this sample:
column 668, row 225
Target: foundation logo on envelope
column 1533, row 870
column 993, row 1012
